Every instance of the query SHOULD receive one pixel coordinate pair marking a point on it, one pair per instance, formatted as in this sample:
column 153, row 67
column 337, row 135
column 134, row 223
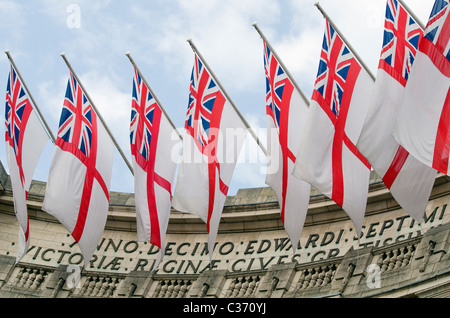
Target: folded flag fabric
column 286, row 114
column 423, row 122
column 409, row 180
column 77, row 191
column 328, row 158
column 25, row 140
column 152, row 140
column 214, row 134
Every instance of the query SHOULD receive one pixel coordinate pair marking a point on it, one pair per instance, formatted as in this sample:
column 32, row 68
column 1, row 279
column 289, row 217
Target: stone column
column 6, row 268
column 136, row 284
column 277, row 281
column 432, row 250
column 63, row 281
column 209, row 284
column 352, row 269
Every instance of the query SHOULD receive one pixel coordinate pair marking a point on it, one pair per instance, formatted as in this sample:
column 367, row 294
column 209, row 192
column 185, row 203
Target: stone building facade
column 393, row 257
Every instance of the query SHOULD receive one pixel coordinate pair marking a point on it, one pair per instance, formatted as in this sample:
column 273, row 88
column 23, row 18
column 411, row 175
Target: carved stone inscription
column 233, row 253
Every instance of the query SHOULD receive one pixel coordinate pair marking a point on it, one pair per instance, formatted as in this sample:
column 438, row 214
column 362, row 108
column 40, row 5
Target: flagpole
column 153, row 93
column 255, row 25
column 345, row 41
column 228, row 97
column 47, row 128
column 412, row 14
column 98, row 114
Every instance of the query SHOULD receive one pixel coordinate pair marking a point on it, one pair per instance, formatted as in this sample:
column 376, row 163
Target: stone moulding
column 394, row 257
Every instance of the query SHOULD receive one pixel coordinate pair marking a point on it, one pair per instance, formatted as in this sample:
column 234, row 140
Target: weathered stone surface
column 394, row 256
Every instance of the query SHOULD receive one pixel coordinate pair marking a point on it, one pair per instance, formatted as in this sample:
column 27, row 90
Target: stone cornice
column 249, row 210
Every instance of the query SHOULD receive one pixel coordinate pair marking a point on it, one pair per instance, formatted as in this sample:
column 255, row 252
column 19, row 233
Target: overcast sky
column 96, row 34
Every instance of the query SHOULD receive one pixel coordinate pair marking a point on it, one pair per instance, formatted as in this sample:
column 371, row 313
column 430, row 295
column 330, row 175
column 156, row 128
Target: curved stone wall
column 253, row 257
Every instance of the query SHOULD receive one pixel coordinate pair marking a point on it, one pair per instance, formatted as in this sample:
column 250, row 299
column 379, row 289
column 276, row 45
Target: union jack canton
column 334, row 65
column 205, row 106
column 400, row 42
column 17, row 112
column 77, row 120
column 142, row 114
column 438, row 27
column 276, row 82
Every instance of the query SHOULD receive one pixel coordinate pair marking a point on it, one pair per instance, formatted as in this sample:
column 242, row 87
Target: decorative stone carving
column 244, row 286
column 29, row 278
column 172, row 288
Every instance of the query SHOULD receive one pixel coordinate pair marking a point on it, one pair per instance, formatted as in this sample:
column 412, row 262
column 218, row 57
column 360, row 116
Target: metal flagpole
column 98, row 114
column 412, row 14
column 229, row 99
column 47, row 128
column 154, row 95
column 345, row 41
column 255, row 24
